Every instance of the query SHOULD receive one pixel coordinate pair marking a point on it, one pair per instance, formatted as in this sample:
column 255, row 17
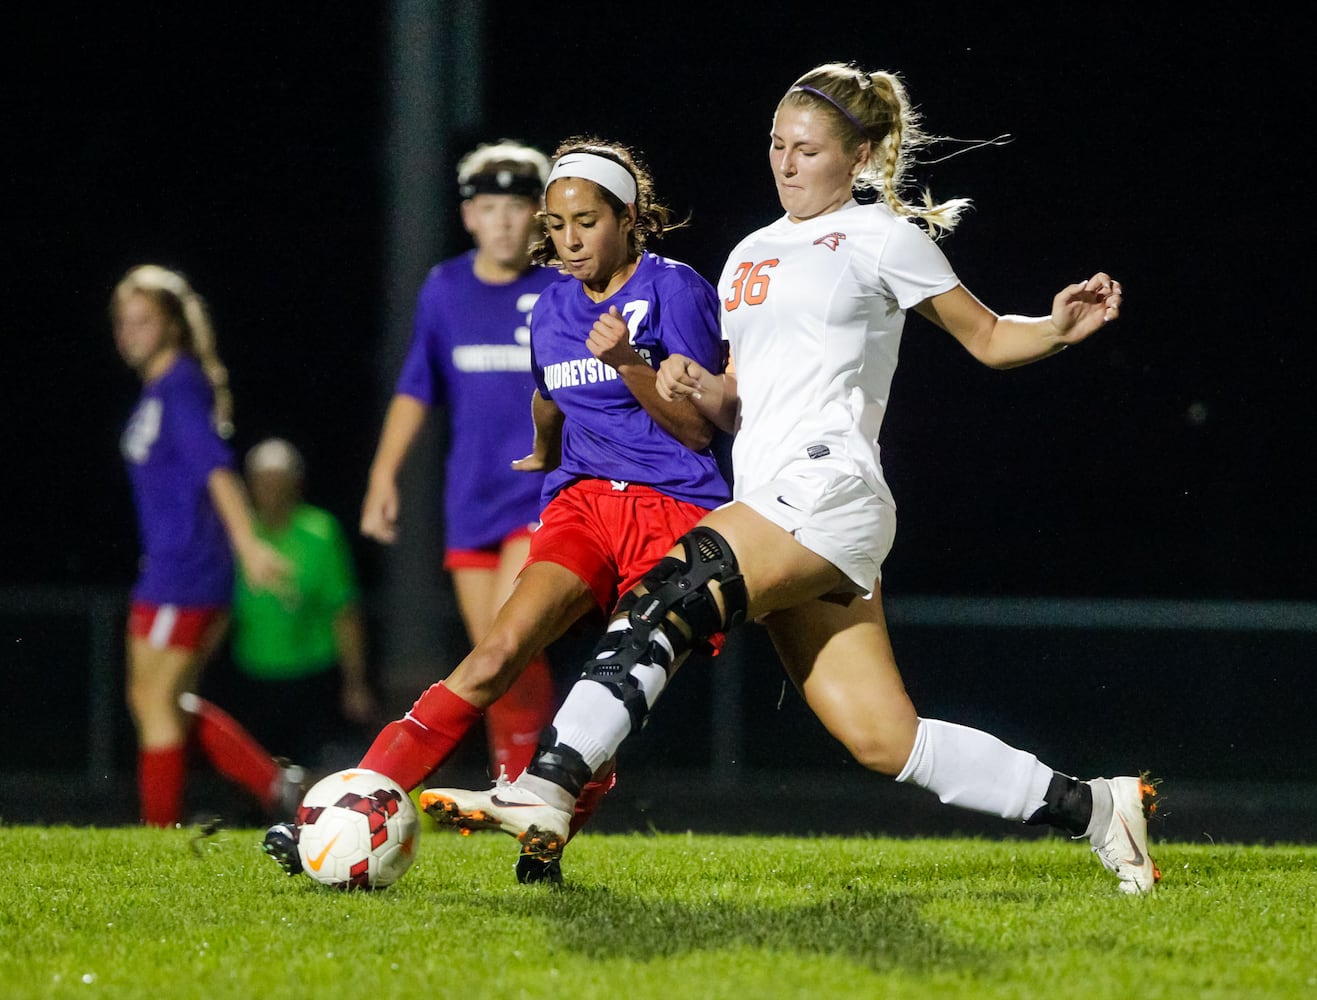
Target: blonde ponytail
column 874, row 107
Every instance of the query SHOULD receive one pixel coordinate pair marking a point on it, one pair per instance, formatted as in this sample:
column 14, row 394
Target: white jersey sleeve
column 912, row 267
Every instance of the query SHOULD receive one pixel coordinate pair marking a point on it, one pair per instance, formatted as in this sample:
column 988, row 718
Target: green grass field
column 134, row 912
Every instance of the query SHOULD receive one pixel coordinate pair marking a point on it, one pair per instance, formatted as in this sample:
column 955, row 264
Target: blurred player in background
column 813, row 307
column 628, row 471
column 193, row 515
column 470, row 354
column 300, row 651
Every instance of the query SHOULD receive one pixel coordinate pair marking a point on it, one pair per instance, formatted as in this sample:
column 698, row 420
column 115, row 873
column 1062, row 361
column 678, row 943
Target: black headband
column 501, row 182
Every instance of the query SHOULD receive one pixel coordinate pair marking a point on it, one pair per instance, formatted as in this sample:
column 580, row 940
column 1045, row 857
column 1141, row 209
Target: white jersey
column 813, row 313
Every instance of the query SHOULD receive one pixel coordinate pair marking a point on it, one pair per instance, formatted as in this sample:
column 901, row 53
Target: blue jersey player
column 192, row 515
column 628, row 472
column 470, row 357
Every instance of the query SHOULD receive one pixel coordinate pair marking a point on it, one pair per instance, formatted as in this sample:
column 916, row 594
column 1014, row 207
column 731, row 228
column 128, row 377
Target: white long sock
column 594, row 722
column 975, row 770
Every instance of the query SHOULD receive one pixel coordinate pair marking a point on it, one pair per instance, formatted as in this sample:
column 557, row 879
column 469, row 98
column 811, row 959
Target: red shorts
column 170, row 626
column 610, row 537
column 486, row 558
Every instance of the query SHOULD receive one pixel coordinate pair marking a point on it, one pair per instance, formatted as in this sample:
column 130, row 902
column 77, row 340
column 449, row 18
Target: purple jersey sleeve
column 171, row 447
column 470, row 353
column 423, row 372
column 607, row 434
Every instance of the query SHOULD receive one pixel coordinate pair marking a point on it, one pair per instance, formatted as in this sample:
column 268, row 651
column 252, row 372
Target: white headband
column 608, row 174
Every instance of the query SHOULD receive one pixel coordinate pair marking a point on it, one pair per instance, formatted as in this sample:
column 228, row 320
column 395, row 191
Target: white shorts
column 833, row 512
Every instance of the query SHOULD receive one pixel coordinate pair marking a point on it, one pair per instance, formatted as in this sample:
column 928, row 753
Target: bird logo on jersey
column 831, row 241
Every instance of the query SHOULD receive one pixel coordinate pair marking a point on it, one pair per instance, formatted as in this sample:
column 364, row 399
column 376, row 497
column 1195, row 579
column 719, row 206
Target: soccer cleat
column 1123, row 846
column 281, row 844
column 540, row 827
column 532, row 870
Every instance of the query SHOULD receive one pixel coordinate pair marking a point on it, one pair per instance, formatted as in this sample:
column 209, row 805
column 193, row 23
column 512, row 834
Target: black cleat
column 281, row 844
column 531, row 870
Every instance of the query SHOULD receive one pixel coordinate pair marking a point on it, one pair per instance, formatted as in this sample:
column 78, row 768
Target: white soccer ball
column 357, row 829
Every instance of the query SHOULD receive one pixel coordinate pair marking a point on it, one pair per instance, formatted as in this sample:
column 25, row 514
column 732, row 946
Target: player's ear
column 862, row 154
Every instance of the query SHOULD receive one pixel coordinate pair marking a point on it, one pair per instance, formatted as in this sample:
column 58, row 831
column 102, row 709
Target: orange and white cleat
column 541, row 828
column 1123, row 846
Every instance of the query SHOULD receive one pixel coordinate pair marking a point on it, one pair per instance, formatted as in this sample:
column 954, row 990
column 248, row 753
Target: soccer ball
column 357, row 829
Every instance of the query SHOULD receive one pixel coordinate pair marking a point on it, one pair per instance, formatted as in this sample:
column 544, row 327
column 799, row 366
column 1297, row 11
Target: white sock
column 593, row 721
column 974, row 770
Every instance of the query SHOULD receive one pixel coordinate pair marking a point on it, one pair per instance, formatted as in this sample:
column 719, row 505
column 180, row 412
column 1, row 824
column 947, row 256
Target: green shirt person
column 303, row 644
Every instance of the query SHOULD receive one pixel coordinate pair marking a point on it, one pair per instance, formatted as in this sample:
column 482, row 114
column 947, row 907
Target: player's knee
column 675, row 612
column 883, row 747
column 880, row 756
column 678, row 598
column 147, row 698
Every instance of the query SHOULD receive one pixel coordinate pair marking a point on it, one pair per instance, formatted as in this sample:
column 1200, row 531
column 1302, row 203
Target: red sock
column 514, row 722
column 591, row 795
column 409, row 749
column 234, row 752
column 161, row 774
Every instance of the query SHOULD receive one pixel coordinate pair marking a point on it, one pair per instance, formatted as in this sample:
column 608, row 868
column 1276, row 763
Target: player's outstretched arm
column 1078, row 311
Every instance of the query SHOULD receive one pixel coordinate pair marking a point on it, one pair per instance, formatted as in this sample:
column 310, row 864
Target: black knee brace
column 678, row 601
column 677, row 592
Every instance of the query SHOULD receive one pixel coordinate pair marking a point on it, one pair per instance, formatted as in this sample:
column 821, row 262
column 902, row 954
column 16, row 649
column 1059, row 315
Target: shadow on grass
column 876, row 929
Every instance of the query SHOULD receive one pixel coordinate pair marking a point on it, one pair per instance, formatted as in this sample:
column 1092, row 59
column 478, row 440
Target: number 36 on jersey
column 750, row 283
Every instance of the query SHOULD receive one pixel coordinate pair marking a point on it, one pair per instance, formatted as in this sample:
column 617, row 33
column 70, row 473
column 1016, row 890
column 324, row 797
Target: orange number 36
column 750, row 283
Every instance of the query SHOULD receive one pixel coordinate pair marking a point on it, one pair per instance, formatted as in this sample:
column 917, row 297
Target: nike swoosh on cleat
column 1138, row 859
column 318, row 862
column 505, row 804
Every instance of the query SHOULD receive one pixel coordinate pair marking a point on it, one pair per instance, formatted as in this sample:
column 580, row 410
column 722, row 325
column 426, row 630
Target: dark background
column 1168, row 457
column 245, row 145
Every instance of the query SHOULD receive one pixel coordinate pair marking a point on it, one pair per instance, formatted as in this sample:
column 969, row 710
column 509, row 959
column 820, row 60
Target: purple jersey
column 606, row 432
column 171, row 448
column 470, row 351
